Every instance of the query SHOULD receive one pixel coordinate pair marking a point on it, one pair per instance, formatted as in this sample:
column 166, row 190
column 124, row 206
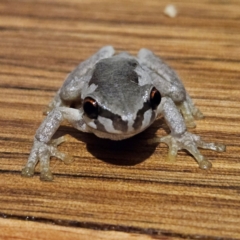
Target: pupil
column 155, row 98
column 90, row 107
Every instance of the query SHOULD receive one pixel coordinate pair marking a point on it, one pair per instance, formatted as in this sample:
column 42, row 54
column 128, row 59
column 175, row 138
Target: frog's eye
column 155, row 98
column 90, row 107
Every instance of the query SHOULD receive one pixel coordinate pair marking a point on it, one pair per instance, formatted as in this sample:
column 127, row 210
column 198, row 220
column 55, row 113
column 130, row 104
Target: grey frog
column 117, row 96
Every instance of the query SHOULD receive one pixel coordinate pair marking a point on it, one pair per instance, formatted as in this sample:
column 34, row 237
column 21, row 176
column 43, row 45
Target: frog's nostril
column 133, row 63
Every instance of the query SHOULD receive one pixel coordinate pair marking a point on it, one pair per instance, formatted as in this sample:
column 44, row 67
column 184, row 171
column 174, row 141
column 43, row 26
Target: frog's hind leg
column 189, row 112
column 197, row 114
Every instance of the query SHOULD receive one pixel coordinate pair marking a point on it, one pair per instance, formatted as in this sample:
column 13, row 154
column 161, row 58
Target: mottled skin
column 130, row 94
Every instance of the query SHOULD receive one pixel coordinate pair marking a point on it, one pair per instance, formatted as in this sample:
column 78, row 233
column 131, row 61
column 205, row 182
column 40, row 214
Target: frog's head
column 120, row 100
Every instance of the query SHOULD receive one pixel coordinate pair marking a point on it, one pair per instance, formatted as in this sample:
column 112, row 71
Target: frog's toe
column 191, row 147
column 173, row 147
column 218, row 147
column 62, row 156
column 46, row 175
column 57, row 141
column 27, row 172
column 197, row 113
column 205, row 164
column 54, row 152
column 172, row 155
column 189, row 121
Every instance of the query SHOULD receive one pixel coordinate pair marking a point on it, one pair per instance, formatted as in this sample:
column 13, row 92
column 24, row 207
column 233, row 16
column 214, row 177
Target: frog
column 116, row 95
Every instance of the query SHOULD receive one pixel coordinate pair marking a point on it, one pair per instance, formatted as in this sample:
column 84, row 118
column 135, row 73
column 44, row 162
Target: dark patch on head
column 118, row 123
column 114, row 69
column 140, row 115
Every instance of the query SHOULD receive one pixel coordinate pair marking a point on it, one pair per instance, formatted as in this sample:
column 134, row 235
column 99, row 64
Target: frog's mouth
column 101, row 132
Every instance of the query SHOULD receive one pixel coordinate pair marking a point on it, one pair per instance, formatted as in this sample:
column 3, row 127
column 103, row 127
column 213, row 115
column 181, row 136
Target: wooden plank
column 15, row 229
column 126, row 188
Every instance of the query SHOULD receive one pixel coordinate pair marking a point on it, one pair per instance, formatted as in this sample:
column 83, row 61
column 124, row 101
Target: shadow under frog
column 128, row 152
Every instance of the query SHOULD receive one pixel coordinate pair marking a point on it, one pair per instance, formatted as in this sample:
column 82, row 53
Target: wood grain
column 119, row 190
column 41, row 231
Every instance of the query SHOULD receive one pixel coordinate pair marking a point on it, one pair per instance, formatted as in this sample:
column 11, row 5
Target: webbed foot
column 189, row 142
column 42, row 152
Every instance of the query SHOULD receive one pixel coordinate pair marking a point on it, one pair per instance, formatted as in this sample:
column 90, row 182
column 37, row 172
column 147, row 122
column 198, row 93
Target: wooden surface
column 123, row 190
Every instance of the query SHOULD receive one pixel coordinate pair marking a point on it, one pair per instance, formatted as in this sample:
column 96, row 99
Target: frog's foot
column 190, row 142
column 42, row 152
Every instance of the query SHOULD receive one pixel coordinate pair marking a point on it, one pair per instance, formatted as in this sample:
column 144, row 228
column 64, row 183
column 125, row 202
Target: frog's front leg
column 180, row 138
column 43, row 147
